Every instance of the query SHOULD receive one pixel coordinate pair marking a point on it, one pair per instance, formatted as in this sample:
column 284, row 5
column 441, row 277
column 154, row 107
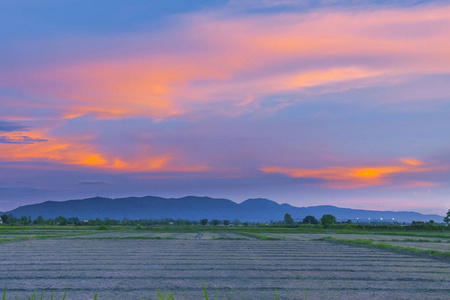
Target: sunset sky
column 345, row 103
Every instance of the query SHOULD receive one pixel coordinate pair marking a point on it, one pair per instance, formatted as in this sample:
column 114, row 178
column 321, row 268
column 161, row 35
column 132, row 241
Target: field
column 237, row 264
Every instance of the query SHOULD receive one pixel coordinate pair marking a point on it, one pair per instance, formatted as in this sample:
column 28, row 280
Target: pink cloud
column 83, row 151
column 234, row 57
column 229, row 65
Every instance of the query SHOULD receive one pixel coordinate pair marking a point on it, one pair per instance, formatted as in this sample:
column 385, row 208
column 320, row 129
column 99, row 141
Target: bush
column 103, row 227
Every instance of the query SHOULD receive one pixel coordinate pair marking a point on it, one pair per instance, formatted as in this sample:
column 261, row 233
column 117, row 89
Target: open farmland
column 135, row 264
column 427, row 242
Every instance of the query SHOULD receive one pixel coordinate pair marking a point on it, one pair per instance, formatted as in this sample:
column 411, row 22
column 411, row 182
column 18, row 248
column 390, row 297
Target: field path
column 240, row 269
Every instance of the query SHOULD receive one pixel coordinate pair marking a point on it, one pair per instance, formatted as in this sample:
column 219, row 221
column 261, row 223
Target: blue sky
column 304, row 102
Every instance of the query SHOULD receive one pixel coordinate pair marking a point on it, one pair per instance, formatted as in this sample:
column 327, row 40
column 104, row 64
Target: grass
column 33, row 297
column 262, row 237
column 38, row 230
column 45, row 236
column 204, row 289
column 129, row 238
column 161, row 296
column 229, row 238
column 262, row 232
column 421, row 241
column 440, row 254
column 14, row 234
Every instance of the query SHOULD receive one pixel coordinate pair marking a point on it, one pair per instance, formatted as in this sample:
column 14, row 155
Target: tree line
column 9, row 219
column 327, row 221
column 74, row 221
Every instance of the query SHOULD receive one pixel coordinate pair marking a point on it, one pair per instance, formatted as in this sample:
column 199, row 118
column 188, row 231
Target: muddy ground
column 240, row 269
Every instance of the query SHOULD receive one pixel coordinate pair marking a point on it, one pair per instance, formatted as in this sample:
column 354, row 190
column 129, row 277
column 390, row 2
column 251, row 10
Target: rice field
column 136, row 264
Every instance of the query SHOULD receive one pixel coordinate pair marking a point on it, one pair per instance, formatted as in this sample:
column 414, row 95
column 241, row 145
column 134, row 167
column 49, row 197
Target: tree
column 39, row 221
column 310, row 220
column 73, row 221
column 61, row 221
column 24, row 220
column 288, row 219
column 4, row 218
column 204, row 222
column 328, row 220
column 215, row 222
column 447, row 218
column 9, row 219
column 226, row 222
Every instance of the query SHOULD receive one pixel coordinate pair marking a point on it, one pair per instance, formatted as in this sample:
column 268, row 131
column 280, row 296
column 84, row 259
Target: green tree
column 73, row 221
column 204, row 222
column 328, row 220
column 24, row 220
column 447, row 218
column 4, row 218
column 61, row 221
column 112, row 222
column 9, row 219
column 310, row 220
column 39, row 221
column 215, row 222
column 226, row 222
column 288, row 219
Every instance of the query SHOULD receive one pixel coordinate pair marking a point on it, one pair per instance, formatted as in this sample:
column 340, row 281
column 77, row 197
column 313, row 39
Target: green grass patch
column 127, row 238
column 261, row 236
column 230, row 238
column 417, row 240
column 441, row 254
column 22, row 235
column 306, row 228
column 161, row 296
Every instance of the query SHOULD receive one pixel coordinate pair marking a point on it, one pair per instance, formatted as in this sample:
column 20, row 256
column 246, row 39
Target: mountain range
column 197, row 208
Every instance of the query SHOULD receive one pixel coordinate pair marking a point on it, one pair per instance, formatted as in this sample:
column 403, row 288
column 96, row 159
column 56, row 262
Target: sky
column 343, row 103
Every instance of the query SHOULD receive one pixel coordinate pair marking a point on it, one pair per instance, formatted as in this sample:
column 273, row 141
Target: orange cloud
column 232, row 64
column 84, row 154
column 411, row 161
column 355, row 177
column 239, row 56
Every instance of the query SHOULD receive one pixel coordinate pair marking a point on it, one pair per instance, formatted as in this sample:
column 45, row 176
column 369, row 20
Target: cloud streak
column 229, row 58
column 6, row 126
column 20, row 139
column 358, row 177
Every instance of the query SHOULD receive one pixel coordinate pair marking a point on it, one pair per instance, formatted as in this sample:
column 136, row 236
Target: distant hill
column 197, row 208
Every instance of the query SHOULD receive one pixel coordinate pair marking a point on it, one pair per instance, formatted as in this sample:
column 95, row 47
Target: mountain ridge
column 196, row 208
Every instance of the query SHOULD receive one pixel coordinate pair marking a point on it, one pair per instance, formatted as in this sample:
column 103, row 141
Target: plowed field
column 240, row 269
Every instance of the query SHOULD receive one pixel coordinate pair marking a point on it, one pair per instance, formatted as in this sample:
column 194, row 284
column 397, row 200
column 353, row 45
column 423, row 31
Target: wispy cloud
column 357, row 177
column 7, row 126
column 82, row 151
column 20, row 139
column 231, row 57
